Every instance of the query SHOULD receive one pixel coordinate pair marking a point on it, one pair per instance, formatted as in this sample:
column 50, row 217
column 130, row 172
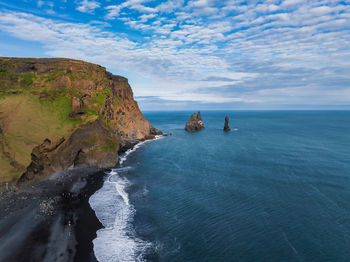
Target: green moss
column 27, row 79
column 52, row 75
column 74, row 92
column 55, row 92
column 91, row 112
column 92, row 140
column 80, row 75
column 109, row 146
column 8, row 76
column 24, row 79
column 62, row 108
column 105, row 91
column 99, row 99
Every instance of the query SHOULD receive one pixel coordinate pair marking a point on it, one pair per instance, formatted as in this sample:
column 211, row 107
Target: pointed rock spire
column 199, row 117
column 226, row 127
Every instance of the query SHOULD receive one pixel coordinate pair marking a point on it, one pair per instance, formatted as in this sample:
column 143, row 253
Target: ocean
column 275, row 188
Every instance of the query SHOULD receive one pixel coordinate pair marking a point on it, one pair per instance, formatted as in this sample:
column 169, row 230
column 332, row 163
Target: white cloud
column 159, row 59
column 114, row 10
column 291, row 2
column 88, row 6
column 169, row 6
column 269, row 50
column 40, row 3
column 146, row 17
column 199, row 3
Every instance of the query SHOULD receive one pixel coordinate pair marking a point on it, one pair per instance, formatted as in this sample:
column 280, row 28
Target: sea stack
column 226, row 127
column 195, row 123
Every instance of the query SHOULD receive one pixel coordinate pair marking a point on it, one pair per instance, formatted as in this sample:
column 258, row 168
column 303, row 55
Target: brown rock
column 199, row 117
column 40, row 159
column 77, row 107
column 195, row 123
column 108, row 111
column 91, row 145
column 226, row 127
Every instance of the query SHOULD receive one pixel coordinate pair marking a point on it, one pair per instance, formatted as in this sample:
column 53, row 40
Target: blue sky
column 197, row 54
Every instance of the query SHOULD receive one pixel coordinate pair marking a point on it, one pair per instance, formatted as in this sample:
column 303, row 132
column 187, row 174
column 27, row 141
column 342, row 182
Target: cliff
column 57, row 114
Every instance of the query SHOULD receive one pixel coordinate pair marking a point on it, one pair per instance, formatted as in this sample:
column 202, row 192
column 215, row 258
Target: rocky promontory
column 195, row 123
column 58, row 114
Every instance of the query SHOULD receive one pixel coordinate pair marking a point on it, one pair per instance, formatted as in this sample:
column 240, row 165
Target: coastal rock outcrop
column 195, row 123
column 226, row 127
column 91, row 145
column 89, row 111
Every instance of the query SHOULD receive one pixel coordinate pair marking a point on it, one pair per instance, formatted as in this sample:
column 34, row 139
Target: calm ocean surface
column 275, row 188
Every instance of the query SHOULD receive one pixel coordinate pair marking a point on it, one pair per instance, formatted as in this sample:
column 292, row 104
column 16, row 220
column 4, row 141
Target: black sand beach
column 50, row 219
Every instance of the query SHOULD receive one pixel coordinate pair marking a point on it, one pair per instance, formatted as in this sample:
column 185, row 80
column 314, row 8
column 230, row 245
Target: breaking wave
column 117, row 240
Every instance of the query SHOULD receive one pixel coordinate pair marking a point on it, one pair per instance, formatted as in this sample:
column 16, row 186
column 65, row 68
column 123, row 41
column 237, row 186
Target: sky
column 197, row 54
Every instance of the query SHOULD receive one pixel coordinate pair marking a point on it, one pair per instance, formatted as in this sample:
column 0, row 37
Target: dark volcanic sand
column 51, row 219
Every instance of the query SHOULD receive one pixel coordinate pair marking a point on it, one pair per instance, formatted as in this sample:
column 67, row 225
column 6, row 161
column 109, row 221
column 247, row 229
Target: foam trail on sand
column 117, row 240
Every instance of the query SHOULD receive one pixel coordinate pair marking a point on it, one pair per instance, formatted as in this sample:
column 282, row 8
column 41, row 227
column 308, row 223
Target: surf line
column 120, row 187
column 124, row 157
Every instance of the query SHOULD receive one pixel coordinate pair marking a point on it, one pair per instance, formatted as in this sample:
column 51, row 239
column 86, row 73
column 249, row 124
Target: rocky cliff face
column 61, row 113
column 195, row 123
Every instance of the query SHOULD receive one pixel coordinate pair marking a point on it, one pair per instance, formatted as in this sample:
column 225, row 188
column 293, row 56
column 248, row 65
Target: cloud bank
column 208, row 52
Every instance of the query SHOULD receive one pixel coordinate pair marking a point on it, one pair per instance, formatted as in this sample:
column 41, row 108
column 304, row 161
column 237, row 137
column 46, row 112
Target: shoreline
column 53, row 216
column 51, row 219
column 87, row 221
column 120, row 221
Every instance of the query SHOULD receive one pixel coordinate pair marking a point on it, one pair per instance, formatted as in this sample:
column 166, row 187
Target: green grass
column 110, row 146
column 98, row 99
column 8, row 76
column 61, row 108
column 52, row 75
column 28, row 121
column 80, row 75
column 27, row 79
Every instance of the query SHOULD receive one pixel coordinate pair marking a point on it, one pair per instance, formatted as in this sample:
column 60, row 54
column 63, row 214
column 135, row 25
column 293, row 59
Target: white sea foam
column 117, row 240
column 129, row 151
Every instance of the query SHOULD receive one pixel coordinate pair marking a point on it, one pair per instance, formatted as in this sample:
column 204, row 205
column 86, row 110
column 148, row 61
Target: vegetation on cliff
column 46, row 101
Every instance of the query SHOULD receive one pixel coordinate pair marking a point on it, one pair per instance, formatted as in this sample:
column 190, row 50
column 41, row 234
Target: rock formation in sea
column 226, row 127
column 57, row 114
column 195, row 123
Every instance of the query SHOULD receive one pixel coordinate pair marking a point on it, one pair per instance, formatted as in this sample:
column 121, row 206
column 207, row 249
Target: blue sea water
column 275, row 188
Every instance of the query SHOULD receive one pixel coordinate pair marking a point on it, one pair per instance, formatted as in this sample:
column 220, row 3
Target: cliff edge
column 57, row 114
